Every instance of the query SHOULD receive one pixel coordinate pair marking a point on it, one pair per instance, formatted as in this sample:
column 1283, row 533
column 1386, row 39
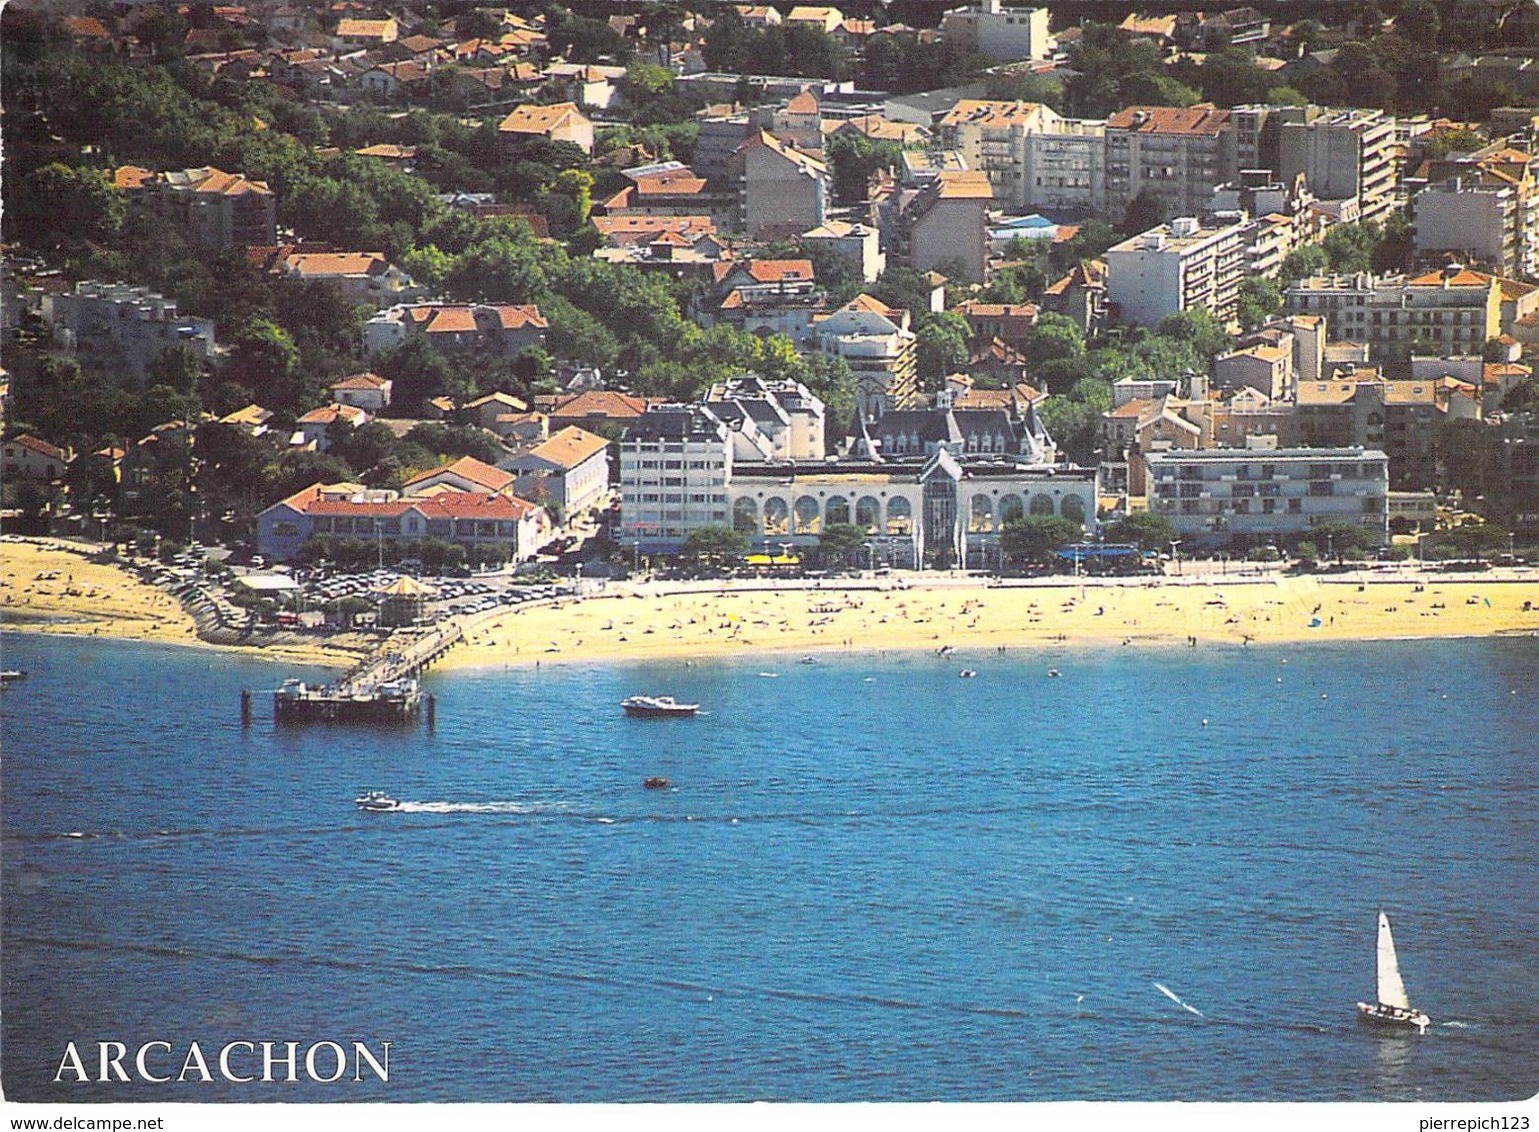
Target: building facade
column 121, row 329
column 1003, row 34
column 1238, row 498
column 1175, row 267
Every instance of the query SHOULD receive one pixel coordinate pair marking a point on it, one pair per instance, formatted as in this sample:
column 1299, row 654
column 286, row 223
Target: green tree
column 1197, row 326
column 853, row 159
column 1260, row 299
column 1147, row 210
column 714, row 546
column 839, row 542
column 1148, row 530
column 61, row 205
column 1034, row 539
column 942, row 348
column 1340, row 538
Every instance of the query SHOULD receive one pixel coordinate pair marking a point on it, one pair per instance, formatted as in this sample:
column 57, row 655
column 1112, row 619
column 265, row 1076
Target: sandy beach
column 709, row 620
column 52, row 587
column 49, row 588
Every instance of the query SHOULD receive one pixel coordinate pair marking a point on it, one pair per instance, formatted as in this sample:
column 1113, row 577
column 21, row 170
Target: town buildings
column 1179, row 154
column 1235, row 499
column 121, row 330
column 876, row 343
column 214, row 209
column 1174, row 267
column 569, row 472
column 1001, row 33
column 1447, row 312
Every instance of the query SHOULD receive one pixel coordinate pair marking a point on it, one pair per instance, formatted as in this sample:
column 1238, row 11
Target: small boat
column 377, row 802
column 1394, row 1005
column 657, row 782
column 657, row 707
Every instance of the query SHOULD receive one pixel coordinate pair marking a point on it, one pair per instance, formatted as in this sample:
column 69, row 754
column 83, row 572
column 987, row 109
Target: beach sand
column 52, row 587
column 708, row 619
column 972, row 617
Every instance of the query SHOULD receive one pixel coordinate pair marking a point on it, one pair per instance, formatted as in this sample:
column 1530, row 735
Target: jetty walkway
column 398, row 656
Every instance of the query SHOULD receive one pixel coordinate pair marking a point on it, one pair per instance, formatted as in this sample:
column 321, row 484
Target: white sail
column 1391, row 989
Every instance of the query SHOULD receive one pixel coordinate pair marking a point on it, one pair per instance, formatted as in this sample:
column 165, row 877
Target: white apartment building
column 1454, row 311
column 1225, row 498
column 1001, row 33
column 1488, row 223
column 1344, row 155
column 1034, row 158
column 675, row 462
column 1174, row 267
column 121, row 329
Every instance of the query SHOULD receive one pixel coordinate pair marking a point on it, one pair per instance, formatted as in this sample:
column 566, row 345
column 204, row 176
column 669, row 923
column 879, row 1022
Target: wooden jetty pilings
column 382, row 688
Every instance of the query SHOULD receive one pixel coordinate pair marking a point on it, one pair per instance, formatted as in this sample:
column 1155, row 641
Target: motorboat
column 1394, row 1005
column 377, row 801
column 657, row 707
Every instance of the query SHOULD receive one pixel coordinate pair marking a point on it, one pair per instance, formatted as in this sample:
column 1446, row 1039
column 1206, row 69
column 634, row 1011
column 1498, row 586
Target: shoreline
column 702, row 621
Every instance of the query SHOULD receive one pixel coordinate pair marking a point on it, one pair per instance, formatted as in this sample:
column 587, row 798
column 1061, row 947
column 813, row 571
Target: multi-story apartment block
column 1175, row 267
column 1235, row 498
column 1001, row 33
column 213, row 208
column 1453, row 311
column 120, row 329
column 1344, row 154
column 1485, row 205
column 783, row 191
column 675, row 461
column 1033, row 157
column 877, row 344
column 945, row 225
column 1182, row 154
column 1474, row 222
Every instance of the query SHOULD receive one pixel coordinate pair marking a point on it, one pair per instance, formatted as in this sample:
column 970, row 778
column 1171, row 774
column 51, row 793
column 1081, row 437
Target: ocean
column 1155, row 876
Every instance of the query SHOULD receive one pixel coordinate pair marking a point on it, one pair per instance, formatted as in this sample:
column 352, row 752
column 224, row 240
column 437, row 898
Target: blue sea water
column 873, row 880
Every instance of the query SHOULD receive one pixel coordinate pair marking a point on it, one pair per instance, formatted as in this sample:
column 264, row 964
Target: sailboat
column 1394, row 1006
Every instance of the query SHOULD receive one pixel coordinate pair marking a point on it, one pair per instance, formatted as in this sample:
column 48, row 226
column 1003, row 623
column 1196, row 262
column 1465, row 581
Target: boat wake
column 479, row 807
column 1175, row 998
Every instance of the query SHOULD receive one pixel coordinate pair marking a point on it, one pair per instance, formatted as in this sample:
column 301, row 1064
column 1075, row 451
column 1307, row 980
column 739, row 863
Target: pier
column 381, row 689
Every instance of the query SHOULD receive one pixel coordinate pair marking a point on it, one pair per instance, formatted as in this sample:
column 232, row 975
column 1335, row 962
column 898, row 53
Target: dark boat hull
column 1390, row 1018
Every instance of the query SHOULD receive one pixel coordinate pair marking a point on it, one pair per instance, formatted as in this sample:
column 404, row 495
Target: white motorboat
column 657, row 707
column 1394, row 1005
column 376, row 801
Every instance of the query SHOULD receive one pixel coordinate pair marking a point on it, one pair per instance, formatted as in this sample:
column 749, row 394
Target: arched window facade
column 777, row 516
column 980, row 519
column 868, row 514
column 809, row 516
